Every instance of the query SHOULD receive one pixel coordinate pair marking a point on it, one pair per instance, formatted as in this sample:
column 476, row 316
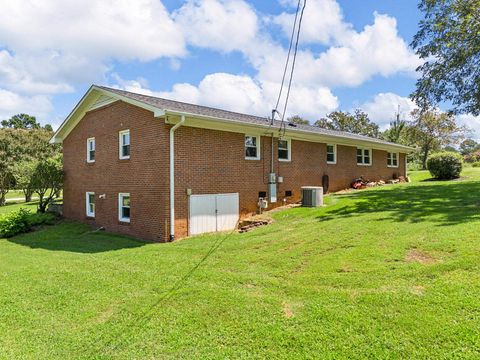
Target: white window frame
column 390, row 159
column 363, row 156
column 120, row 206
column 257, row 146
column 91, row 141
column 120, row 144
column 289, row 149
column 88, row 211
column 334, row 154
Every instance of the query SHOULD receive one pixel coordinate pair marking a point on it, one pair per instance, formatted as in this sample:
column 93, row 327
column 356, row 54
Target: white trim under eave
column 85, row 105
column 242, row 127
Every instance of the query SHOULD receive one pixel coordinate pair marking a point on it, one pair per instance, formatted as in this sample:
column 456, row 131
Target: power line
column 288, row 59
column 294, row 38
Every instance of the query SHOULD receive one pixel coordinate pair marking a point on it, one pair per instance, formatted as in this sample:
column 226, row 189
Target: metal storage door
column 210, row 213
column 227, row 211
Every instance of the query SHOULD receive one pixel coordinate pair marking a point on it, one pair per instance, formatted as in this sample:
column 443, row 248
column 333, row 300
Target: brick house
column 158, row 169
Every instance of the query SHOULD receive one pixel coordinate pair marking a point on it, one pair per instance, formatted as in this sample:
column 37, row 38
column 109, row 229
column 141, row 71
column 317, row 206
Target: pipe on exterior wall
column 172, row 177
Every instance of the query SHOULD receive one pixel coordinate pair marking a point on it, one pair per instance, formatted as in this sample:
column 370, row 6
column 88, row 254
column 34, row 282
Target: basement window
column 124, row 144
column 284, row 149
column 91, row 150
column 392, row 160
column 331, row 154
column 252, row 147
column 364, row 156
column 124, row 207
column 90, row 204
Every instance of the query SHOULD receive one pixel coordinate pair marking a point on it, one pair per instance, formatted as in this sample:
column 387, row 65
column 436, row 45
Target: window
column 392, row 159
column 124, row 144
column 331, row 154
column 91, row 150
column 252, row 147
column 284, row 149
column 124, row 207
column 90, row 204
column 364, row 156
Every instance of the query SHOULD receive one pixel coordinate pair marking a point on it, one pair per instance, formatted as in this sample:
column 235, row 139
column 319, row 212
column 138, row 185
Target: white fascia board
column 242, row 127
column 84, row 105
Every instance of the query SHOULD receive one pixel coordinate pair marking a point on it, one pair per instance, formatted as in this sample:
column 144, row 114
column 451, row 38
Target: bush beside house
column 445, row 165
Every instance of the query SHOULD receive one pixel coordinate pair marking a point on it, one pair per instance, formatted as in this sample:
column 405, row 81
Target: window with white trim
column 331, row 154
column 90, row 204
column 252, row 147
column 392, row 159
column 124, row 144
column 284, row 149
column 124, row 207
column 91, row 150
column 364, row 156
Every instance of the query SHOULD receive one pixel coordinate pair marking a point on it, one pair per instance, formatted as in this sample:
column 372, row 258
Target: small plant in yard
column 22, row 221
column 445, row 165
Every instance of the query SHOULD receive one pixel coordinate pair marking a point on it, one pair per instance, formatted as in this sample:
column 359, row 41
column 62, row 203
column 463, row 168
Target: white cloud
column 377, row 50
column 241, row 93
column 12, row 103
column 223, row 25
column 122, row 29
column 472, row 122
column 59, row 44
column 384, row 106
column 322, row 22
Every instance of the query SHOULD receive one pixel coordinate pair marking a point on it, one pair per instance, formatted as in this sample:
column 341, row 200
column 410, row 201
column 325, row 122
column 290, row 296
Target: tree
column 356, row 123
column 432, row 129
column 24, row 121
column 296, row 119
column 396, row 132
column 47, row 181
column 7, row 182
column 449, row 43
column 24, row 172
column 469, row 146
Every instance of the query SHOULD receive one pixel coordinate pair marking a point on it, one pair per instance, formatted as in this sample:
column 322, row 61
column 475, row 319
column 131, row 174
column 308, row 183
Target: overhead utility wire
column 295, row 36
column 287, row 61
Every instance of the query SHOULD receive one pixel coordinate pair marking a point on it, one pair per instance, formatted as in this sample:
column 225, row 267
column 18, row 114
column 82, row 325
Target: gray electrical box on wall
column 272, row 193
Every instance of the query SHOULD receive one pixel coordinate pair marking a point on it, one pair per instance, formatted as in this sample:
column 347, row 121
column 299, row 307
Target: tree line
column 28, row 162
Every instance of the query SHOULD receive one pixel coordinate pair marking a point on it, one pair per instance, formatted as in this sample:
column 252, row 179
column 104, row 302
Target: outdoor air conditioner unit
column 312, row 196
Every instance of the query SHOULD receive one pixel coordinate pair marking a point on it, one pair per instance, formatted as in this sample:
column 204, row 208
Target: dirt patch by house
column 415, row 255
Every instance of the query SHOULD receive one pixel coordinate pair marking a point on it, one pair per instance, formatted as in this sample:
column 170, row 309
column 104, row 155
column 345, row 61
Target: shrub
column 445, row 165
column 476, row 164
column 14, row 223
column 22, row 221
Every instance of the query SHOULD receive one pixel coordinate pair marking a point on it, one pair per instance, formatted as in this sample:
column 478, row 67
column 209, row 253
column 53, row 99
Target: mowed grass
column 391, row 272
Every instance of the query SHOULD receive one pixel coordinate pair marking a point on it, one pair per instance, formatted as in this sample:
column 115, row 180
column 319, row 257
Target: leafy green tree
column 396, row 132
column 24, row 121
column 431, row 130
column 47, row 181
column 24, row 172
column 297, row 119
column 448, row 41
column 356, row 123
column 468, row 146
column 20, row 145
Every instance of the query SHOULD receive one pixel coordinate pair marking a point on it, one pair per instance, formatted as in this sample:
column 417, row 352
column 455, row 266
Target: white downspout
column 172, row 177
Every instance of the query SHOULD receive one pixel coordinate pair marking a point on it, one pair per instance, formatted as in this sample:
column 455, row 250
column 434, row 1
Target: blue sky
column 222, row 53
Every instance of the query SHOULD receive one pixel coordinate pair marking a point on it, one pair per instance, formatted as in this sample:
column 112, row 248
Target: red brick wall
column 144, row 175
column 206, row 161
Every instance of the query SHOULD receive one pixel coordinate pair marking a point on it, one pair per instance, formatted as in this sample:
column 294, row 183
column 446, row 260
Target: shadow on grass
column 74, row 237
column 446, row 204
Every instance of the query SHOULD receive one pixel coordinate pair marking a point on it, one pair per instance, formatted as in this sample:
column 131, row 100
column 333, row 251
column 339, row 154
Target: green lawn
column 391, row 272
